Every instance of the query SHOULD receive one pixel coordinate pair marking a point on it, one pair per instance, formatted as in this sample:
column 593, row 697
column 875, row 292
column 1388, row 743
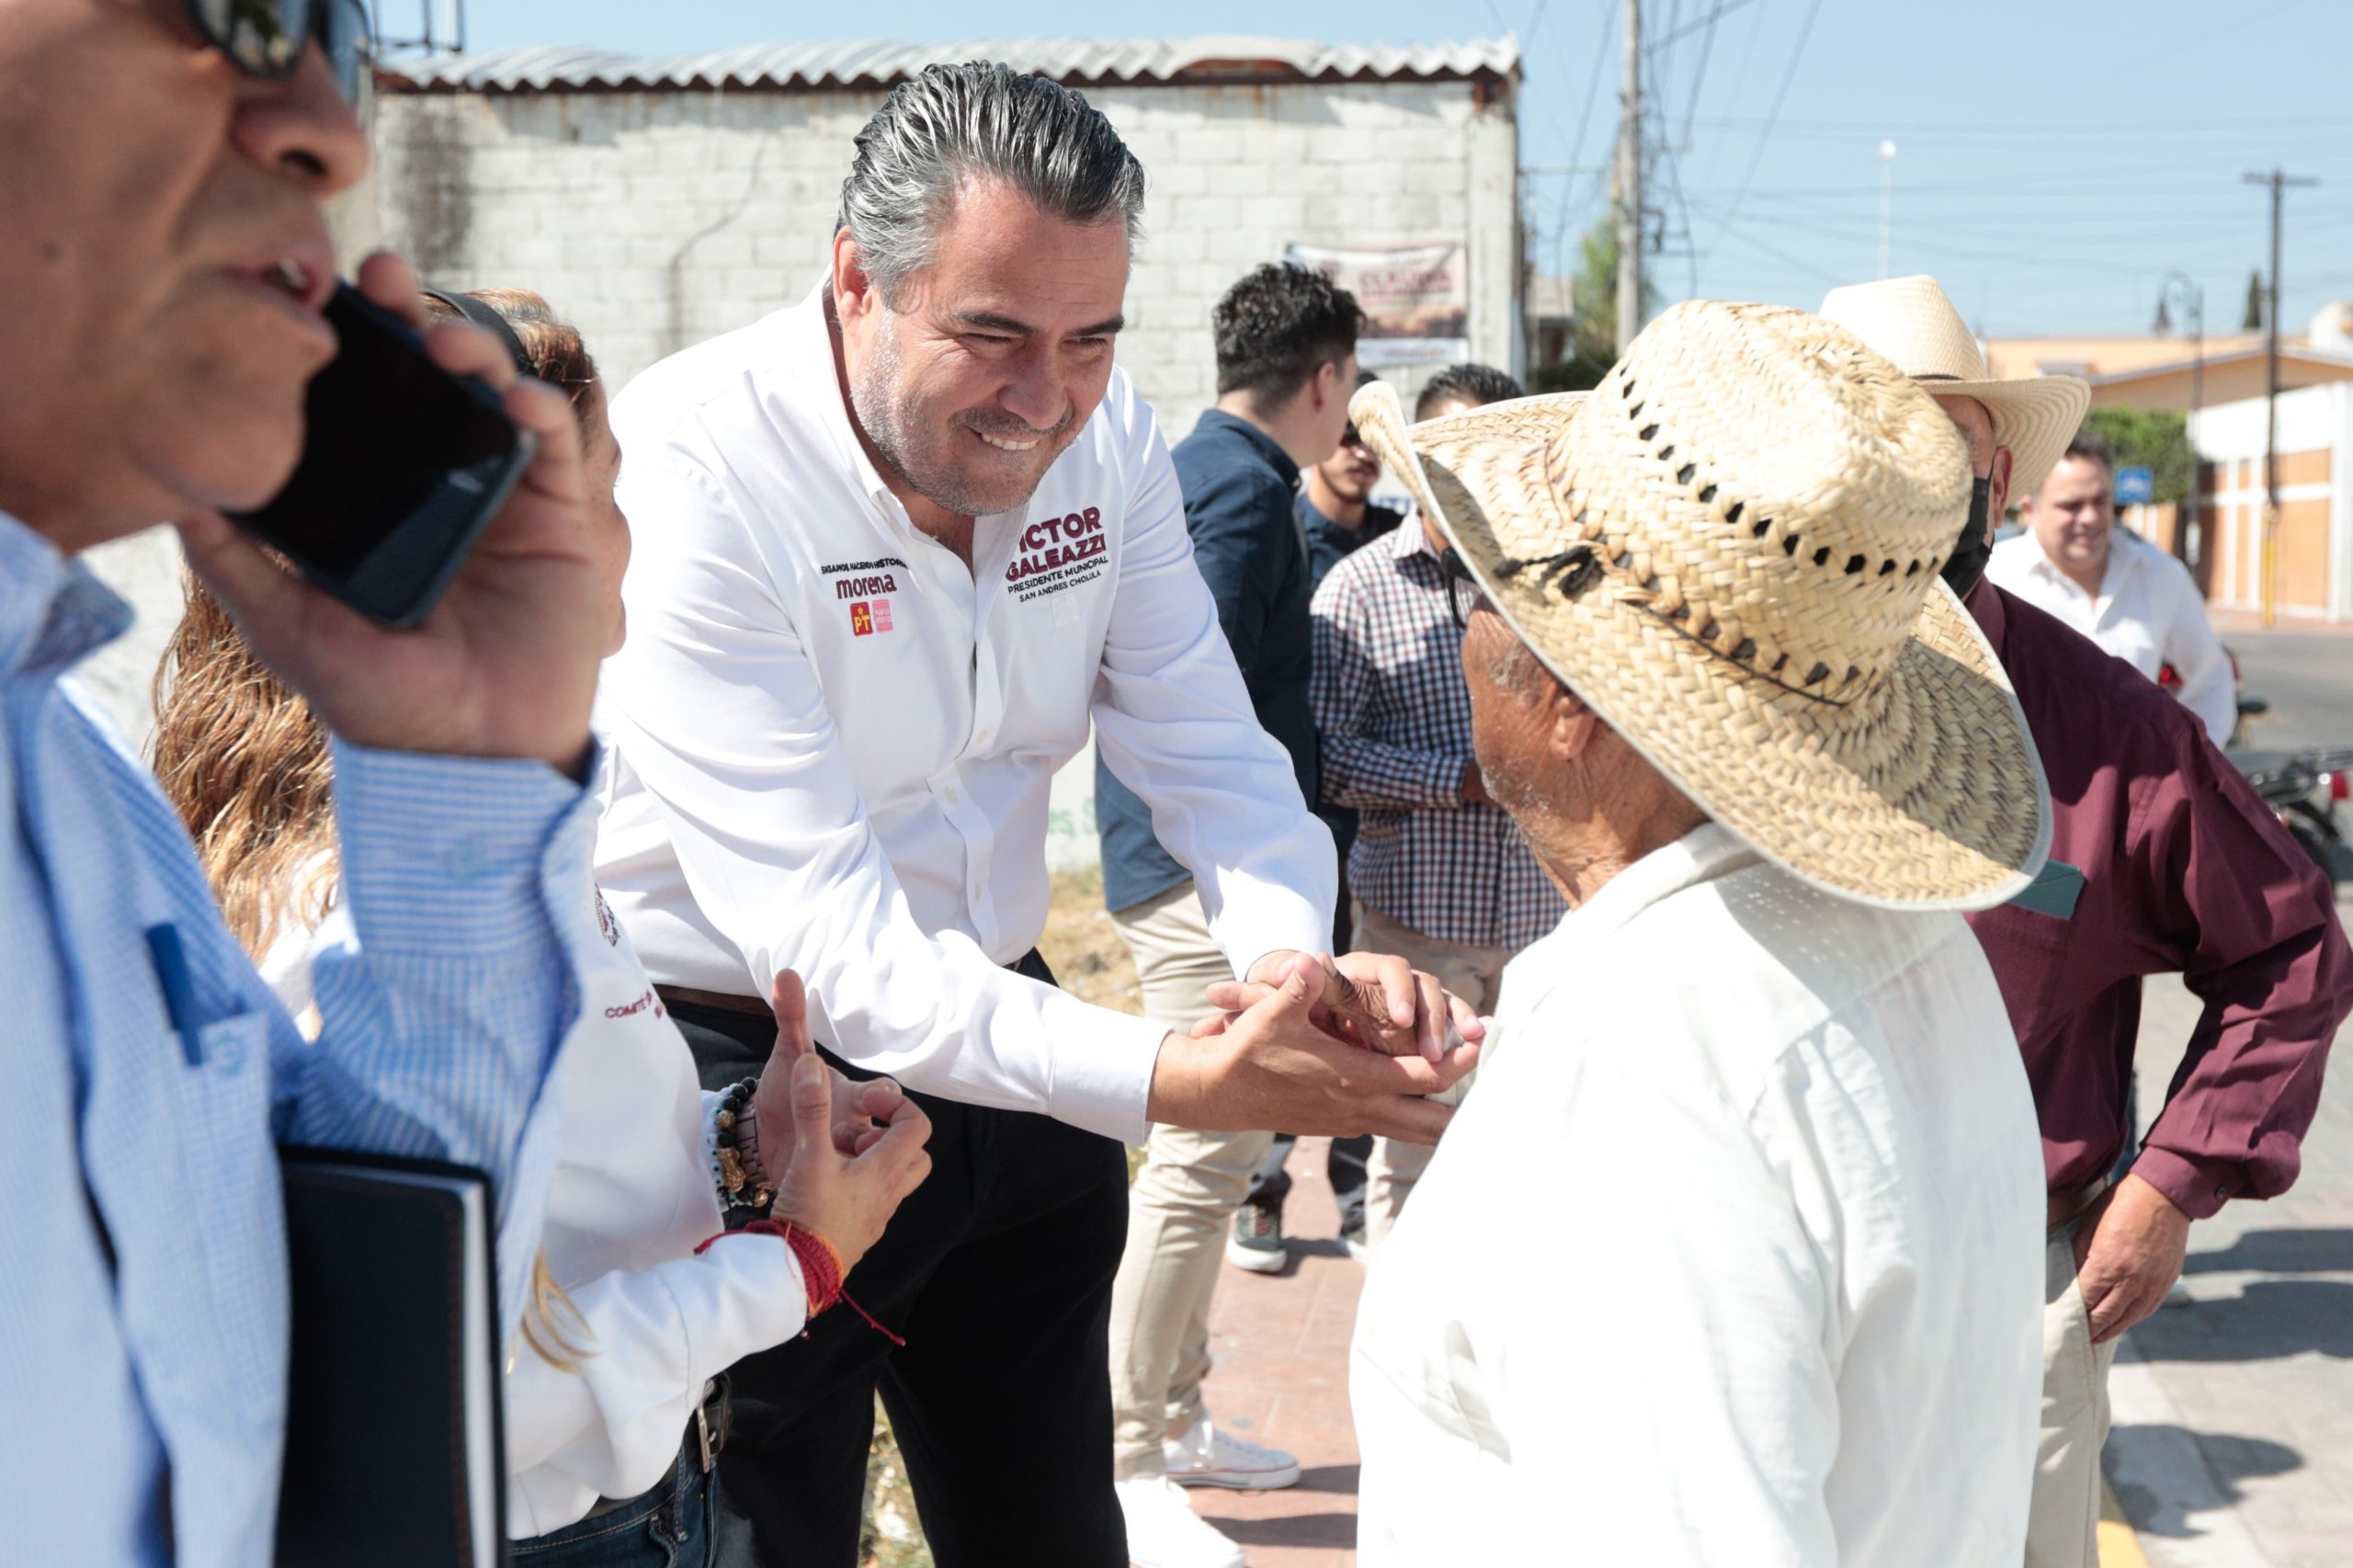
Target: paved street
column 2307, row 676
column 2233, row 1445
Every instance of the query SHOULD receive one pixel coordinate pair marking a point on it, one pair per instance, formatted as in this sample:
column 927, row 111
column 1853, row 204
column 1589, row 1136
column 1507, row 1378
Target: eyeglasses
column 267, row 38
column 1463, row 594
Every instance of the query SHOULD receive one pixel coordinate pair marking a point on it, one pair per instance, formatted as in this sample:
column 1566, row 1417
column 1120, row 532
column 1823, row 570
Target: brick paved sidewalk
column 1282, row 1347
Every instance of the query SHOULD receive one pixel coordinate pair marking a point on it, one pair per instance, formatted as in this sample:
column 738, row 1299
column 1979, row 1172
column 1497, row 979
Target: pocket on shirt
column 233, row 1198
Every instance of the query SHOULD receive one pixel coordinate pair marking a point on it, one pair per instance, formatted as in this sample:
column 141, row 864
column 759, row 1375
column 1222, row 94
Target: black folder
column 393, row 1449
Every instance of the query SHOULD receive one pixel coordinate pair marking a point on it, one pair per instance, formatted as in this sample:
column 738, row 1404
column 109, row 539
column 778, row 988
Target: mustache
column 1010, row 428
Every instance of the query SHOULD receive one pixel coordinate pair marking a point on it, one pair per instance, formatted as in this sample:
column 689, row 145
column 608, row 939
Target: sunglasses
column 267, row 38
column 1463, row 594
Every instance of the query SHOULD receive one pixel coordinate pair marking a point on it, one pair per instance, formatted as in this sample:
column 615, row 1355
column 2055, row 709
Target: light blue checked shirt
column 142, row 1270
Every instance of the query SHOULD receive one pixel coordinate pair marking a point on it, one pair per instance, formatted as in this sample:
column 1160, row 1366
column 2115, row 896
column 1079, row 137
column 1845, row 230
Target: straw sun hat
column 1910, row 321
column 1729, row 550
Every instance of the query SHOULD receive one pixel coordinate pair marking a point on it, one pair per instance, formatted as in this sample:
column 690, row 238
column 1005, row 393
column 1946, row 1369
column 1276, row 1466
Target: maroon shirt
column 2185, row 870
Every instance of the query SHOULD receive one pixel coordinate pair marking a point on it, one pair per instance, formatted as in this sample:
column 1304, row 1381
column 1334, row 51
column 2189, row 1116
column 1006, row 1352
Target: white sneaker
column 1207, row 1457
column 1164, row 1532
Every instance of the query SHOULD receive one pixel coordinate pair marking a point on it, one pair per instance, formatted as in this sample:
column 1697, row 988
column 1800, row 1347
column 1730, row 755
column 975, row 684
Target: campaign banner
column 1416, row 299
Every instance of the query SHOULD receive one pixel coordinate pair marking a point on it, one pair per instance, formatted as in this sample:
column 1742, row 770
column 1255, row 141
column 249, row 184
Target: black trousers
column 997, row 1273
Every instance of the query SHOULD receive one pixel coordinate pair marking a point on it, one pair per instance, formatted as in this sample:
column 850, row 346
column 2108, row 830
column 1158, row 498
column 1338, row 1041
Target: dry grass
column 1090, row 962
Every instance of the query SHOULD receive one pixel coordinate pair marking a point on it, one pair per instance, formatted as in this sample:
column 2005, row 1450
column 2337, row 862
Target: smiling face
column 2073, row 516
column 984, row 370
column 163, row 264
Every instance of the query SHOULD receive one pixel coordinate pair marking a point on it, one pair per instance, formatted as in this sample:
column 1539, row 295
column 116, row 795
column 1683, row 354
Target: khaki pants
column 1471, row 973
column 2063, row 1529
column 1183, row 1199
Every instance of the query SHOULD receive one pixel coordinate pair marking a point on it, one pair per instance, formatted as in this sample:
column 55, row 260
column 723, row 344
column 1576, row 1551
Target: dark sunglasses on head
column 267, row 38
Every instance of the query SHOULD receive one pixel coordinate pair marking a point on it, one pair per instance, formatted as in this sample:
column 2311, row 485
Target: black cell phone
column 403, row 465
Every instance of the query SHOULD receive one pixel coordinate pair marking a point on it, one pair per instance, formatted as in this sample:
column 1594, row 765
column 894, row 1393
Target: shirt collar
column 1708, row 852
column 1260, row 441
column 53, row 611
column 1407, row 541
column 809, row 366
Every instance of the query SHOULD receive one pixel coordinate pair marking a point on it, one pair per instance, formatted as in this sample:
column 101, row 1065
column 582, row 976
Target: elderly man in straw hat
column 2162, row 861
column 1765, row 757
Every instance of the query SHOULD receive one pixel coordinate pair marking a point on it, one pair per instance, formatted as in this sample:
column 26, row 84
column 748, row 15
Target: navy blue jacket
column 1238, row 488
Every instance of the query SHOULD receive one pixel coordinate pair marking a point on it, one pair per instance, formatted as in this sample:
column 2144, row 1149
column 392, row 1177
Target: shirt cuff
column 1446, row 780
column 2198, row 1187
column 1105, row 1088
column 458, row 854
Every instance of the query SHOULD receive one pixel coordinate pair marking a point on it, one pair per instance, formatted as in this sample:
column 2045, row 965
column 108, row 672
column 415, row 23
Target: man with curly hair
column 1286, row 366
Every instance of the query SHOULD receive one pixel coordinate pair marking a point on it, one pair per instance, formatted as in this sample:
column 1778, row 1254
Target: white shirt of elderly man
column 2138, row 603
column 1767, row 759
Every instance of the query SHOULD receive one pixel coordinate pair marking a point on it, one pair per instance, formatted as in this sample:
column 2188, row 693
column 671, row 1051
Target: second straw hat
column 1729, row 550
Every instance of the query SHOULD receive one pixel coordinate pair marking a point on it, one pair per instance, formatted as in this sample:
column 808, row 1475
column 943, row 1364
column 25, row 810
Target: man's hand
column 506, row 663
column 858, row 1110
column 845, row 1176
column 1272, row 1066
column 2127, row 1253
column 1376, row 1001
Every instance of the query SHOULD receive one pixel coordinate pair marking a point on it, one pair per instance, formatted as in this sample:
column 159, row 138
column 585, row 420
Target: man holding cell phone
column 164, row 269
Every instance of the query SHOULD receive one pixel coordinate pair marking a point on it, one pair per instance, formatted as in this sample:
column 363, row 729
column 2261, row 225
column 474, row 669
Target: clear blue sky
column 2054, row 158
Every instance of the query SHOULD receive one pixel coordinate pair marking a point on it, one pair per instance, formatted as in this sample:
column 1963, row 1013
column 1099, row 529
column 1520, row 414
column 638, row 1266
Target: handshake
column 1308, row 1044
column 1312, row 1044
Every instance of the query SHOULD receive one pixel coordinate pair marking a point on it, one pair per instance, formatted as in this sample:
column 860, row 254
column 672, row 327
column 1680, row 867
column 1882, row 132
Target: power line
column 1787, row 75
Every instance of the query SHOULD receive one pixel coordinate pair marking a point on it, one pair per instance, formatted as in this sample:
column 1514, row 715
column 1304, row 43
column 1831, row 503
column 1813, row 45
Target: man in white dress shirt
column 2134, row 600
column 1764, row 756
column 895, row 547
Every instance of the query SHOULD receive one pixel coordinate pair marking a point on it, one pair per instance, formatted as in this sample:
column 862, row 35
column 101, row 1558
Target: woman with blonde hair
column 636, row 1313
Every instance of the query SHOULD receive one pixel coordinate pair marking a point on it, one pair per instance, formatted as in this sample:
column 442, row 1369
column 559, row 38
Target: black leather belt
column 706, row 1435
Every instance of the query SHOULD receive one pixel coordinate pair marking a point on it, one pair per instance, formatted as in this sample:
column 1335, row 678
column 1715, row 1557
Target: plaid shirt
column 1394, row 718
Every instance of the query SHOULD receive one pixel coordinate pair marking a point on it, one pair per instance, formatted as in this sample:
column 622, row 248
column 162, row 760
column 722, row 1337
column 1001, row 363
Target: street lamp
column 1886, row 191
column 2193, row 306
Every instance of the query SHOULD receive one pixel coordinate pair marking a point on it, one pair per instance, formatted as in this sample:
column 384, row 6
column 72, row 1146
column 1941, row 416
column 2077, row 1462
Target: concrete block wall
column 656, row 219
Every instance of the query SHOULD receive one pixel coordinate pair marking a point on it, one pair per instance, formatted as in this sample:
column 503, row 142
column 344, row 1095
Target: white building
column 659, row 202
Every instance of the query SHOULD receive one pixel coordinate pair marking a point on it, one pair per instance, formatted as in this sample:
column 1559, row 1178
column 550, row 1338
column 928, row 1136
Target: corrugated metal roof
column 874, row 64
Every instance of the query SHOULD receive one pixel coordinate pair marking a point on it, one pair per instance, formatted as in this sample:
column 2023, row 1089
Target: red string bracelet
column 820, row 1267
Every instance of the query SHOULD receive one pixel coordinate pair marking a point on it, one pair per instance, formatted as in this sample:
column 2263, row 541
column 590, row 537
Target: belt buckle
column 711, row 1422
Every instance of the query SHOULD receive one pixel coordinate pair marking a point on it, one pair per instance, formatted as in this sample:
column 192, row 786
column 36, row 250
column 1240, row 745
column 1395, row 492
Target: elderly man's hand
column 506, row 663
column 2127, row 1253
column 1271, row 1066
column 1377, row 1001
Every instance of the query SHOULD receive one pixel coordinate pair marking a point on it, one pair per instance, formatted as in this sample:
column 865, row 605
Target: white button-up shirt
column 1792, row 1315
column 2147, row 613
column 632, row 1196
column 836, row 742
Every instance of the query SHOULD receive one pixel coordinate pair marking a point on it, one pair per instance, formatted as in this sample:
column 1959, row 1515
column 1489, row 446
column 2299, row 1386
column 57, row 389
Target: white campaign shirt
column 1791, row 1312
column 631, row 1197
column 2147, row 613
column 836, row 742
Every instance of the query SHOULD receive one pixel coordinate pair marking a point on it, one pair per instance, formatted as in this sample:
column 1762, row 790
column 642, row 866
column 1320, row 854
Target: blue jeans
column 668, row 1526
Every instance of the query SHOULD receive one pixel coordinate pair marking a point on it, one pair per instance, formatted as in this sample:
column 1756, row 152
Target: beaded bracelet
column 736, row 1156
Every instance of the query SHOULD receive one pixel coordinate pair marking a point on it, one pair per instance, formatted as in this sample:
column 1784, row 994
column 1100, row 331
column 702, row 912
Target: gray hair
column 983, row 118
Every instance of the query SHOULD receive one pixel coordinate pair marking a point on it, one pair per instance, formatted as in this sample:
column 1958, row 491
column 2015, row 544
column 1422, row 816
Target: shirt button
column 465, row 858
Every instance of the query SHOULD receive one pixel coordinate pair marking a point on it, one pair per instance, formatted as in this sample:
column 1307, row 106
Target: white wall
column 2311, row 419
column 656, row 219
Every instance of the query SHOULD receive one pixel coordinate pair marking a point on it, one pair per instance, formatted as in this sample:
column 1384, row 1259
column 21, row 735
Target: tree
column 2255, row 299
column 1593, row 340
column 2147, row 438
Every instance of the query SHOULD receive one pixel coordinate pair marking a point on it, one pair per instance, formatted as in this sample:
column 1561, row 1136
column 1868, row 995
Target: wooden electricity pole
column 2278, row 182
column 1629, row 185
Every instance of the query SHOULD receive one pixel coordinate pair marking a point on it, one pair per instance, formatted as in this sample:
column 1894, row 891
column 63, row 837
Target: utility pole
column 1629, row 185
column 2278, row 182
column 2190, row 515
column 1886, row 198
